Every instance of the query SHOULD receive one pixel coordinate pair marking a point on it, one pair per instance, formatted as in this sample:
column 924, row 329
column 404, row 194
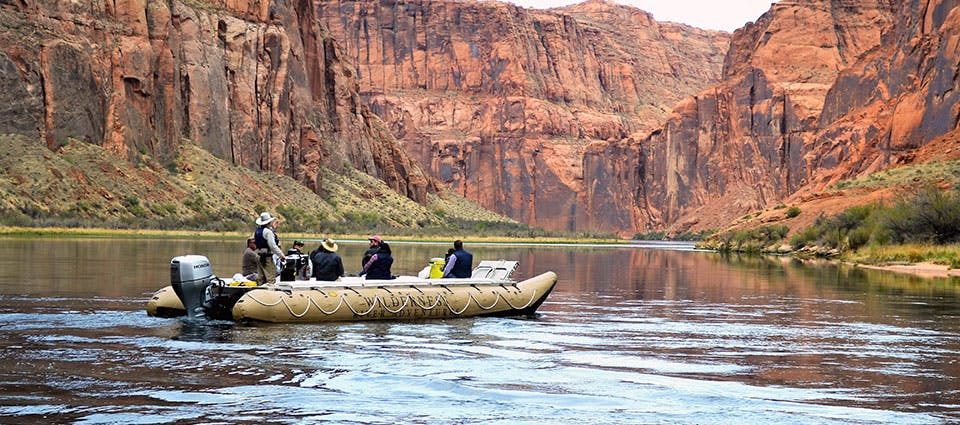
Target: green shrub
column 793, row 212
column 650, row 236
column 694, row 236
column 755, row 240
column 930, row 215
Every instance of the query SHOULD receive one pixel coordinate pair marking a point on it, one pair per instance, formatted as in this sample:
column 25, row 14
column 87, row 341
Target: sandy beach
column 919, row 269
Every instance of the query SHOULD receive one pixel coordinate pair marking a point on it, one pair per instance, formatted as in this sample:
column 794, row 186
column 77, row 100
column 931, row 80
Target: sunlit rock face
column 900, row 96
column 761, row 134
column 257, row 82
column 514, row 108
column 590, row 117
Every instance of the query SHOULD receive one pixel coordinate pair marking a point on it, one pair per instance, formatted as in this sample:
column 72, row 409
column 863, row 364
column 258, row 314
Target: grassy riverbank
column 55, row 232
column 919, row 227
column 945, row 255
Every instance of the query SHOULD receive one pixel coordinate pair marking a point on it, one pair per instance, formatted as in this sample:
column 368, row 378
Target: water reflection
column 630, row 335
column 211, row 331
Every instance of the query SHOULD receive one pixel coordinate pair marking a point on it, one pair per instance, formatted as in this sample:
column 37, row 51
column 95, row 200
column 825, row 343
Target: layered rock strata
column 814, row 93
column 513, row 107
column 256, row 82
column 754, row 139
column 901, row 96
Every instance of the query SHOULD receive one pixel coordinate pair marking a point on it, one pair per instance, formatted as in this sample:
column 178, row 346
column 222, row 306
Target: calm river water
column 645, row 334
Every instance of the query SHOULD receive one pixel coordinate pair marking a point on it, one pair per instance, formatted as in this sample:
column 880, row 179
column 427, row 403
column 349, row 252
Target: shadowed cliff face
column 513, row 107
column 899, row 97
column 578, row 118
column 256, row 82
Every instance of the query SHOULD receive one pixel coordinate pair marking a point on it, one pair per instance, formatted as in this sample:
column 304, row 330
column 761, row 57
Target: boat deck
column 400, row 281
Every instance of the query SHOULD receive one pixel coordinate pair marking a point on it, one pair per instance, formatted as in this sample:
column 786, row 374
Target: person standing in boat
column 268, row 245
column 379, row 265
column 460, row 263
column 250, row 260
column 327, row 264
column 374, row 247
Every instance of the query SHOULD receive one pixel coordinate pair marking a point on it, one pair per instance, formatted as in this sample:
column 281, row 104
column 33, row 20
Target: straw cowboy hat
column 265, row 218
column 329, row 245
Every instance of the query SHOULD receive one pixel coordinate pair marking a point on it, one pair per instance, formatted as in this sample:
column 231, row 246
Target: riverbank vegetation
column 920, row 226
column 445, row 236
column 83, row 187
column 680, row 237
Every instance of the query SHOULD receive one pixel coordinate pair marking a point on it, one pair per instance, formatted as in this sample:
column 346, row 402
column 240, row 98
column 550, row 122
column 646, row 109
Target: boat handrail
column 400, row 281
column 495, row 269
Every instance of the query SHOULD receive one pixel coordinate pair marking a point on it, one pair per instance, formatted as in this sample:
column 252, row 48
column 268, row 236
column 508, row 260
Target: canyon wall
column 901, row 96
column 559, row 117
column 746, row 143
column 525, row 111
column 257, row 82
column 813, row 93
column 590, row 117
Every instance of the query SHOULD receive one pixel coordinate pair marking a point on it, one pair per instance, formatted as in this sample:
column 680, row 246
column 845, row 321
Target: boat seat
column 494, row 269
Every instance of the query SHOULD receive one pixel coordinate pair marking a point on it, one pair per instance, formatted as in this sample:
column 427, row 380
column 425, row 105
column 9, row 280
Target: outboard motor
column 190, row 275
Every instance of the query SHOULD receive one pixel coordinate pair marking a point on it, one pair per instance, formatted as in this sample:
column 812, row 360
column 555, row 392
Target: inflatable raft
column 196, row 293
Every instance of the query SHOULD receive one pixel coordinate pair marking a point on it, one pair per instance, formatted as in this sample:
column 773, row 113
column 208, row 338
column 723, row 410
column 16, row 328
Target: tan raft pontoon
column 489, row 292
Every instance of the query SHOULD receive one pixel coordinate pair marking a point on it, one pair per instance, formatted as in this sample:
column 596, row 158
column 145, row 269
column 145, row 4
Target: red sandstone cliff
column 546, row 115
column 813, row 93
column 513, row 107
column 901, row 96
column 559, row 118
column 750, row 141
column 256, row 82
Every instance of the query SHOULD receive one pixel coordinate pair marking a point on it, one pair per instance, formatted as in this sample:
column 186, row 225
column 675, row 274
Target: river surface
column 654, row 333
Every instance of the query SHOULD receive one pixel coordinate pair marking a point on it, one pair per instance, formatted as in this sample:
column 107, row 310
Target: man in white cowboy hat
column 268, row 245
column 327, row 264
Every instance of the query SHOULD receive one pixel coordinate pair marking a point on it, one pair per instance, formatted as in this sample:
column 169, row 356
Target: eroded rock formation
column 578, row 118
column 900, row 96
column 513, row 107
column 747, row 142
column 813, row 93
column 256, row 82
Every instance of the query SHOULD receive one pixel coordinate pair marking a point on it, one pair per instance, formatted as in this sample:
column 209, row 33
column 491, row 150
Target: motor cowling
column 190, row 275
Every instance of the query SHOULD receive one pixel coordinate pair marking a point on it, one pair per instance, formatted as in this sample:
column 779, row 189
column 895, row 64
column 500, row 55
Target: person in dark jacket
column 379, row 265
column 327, row 264
column 302, row 270
column 374, row 247
column 460, row 263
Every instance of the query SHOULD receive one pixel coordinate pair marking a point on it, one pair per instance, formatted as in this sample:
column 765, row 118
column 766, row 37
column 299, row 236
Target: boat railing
column 494, row 269
column 486, row 273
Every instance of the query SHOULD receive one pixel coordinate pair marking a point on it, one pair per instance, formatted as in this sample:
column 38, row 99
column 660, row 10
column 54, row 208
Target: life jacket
column 262, row 241
column 463, row 268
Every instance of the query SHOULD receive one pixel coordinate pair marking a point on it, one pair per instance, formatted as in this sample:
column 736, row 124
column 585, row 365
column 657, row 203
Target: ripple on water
column 654, row 362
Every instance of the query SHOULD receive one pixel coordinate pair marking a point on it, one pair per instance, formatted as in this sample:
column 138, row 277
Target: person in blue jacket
column 268, row 246
column 460, row 263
